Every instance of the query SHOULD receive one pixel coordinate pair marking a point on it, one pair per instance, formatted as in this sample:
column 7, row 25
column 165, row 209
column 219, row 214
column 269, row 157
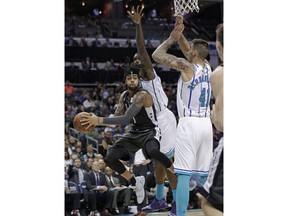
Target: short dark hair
column 202, row 46
column 131, row 70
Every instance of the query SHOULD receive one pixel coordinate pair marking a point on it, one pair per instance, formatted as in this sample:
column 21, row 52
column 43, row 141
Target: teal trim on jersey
column 170, row 153
column 184, row 172
column 189, row 172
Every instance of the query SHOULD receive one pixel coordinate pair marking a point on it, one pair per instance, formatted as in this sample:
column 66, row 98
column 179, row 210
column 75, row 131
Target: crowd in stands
column 91, row 187
column 82, row 156
column 87, row 157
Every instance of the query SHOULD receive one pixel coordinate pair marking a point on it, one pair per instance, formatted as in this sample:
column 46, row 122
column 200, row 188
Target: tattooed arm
column 182, row 41
column 139, row 100
column 161, row 56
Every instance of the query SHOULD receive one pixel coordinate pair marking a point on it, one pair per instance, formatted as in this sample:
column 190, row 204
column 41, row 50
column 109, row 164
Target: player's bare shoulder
column 143, row 98
column 216, row 80
column 217, row 74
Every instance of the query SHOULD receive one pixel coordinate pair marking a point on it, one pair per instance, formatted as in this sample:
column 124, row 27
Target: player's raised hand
column 179, row 20
column 136, row 15
column 177, row 32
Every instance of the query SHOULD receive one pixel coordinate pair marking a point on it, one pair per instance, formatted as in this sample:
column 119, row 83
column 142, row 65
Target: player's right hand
column 89, row 119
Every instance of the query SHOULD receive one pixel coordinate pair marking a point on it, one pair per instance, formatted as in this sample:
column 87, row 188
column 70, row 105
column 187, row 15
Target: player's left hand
column 177, row 32
column 136, row 15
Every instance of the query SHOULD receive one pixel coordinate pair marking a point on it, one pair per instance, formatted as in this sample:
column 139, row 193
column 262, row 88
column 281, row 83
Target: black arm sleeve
column 132, row 111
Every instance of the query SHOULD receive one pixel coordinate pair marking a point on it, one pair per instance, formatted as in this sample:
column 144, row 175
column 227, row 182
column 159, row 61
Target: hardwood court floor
column 196, row 212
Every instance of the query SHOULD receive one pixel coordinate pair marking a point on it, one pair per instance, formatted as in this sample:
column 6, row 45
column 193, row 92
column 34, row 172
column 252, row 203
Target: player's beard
column 133, row 88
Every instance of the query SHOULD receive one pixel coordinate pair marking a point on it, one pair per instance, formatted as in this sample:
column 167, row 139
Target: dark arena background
column 99, row 36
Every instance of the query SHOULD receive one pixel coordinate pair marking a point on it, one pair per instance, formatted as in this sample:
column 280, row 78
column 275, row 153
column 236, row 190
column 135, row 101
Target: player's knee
column 109, row 160
column 153, row 153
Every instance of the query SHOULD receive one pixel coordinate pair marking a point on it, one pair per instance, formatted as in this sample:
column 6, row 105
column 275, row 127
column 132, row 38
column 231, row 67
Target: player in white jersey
column 165, row 117
column 194, row 138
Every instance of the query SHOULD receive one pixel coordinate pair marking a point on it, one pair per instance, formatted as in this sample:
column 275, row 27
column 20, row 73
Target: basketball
column 77, row 124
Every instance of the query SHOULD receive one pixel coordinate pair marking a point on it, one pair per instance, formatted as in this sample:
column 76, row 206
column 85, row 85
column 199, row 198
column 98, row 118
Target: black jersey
column 146, row 118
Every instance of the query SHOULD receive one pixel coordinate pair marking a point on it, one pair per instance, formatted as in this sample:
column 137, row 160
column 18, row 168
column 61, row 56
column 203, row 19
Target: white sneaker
column 92, row 213
column 139, row 188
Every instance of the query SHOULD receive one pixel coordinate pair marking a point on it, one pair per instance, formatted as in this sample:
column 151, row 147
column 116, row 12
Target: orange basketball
column 77, row 124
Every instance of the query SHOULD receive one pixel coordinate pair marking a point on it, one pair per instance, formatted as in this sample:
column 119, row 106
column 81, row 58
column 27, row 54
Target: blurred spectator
column 120, row 192
column 75, row 102
column 104, row 94
column 86, row 64
column 67, row 159
column 128, row 43
column 96, row 42
column 72, row 196
column 83, row 42
column 102, row 165
column 79, row 151
column 110, row 65
column 99, row 197
column 110, row 102
column 104, row 111
column 108, row 140
column 69, row 89
column 99, row 156
column 81, row 97
column 76, row 174
column 88, row 166
column 107, row 43
column 89, row 153
column 81, row 108
column 71, row 145
column 72, row 42
column 88, row 103
column 96, row 107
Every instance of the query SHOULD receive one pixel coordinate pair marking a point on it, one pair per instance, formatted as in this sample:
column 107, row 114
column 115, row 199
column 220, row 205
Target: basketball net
column 185, row 6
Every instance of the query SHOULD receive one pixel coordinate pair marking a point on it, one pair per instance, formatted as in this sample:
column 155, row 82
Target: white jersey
column 154, row 87
column 193, row 97
column 165, row 117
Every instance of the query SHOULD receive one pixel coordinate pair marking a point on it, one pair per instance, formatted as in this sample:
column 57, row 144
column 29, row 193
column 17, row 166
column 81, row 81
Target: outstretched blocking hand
column 177, row 31
column 89, row 119
column 179, row 20
column 136, row 15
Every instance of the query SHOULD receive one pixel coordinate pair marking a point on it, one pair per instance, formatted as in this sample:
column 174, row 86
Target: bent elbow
column 155, row 57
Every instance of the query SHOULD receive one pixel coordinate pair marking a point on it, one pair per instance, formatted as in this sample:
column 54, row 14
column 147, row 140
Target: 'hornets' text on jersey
column 193, row 98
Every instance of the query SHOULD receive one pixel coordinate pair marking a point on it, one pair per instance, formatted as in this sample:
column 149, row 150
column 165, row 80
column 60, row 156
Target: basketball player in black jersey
column 136, row 107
